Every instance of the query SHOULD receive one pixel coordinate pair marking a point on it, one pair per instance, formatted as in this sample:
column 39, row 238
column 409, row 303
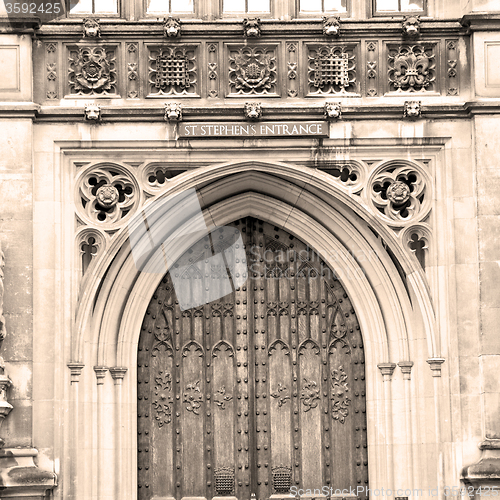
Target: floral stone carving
column 412, row 68
column 398, row 192
column 252, row 70
column 91, row 71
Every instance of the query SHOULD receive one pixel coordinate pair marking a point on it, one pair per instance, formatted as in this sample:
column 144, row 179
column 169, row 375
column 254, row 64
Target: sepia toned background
column 400, row 202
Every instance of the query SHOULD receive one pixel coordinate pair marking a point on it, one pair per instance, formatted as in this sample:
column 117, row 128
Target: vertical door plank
column 223, row 404
column 280, row 404
column 192, row 420
column 310, row 414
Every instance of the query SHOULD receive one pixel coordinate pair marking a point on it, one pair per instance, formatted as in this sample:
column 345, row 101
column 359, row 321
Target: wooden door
column 261, row 391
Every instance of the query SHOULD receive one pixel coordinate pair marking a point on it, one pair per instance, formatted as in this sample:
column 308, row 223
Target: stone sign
column 258, row 129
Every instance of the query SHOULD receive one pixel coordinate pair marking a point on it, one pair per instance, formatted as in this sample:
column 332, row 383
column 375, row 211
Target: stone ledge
column 481, row 21
column 21, row 478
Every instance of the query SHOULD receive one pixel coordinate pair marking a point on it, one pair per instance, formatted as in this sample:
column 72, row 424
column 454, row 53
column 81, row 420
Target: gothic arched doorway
column 258, row 392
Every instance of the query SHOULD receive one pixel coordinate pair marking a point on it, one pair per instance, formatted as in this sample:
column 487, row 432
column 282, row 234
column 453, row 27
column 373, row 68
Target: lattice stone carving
column 412, row 68
column 282, row 479
column 399, row 193
column 107, row 194
column 224, row 480
column 173, row 71
column 332, row 69
column 252, row 70
column 92, row 71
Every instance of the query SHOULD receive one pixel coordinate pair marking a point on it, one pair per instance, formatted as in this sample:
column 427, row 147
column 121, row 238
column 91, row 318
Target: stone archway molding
column 396, row 320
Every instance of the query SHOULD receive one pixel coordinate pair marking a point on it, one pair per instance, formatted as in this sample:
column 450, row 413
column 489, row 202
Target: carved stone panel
column 253, row 70
column 452, row 68
column 92, row 71
column 173, row 70
column 133, row 77
column 255, row 392
column 331, row 69
column 52, row 70
column 412, row 68
column 293, row 84
column 213, row 70
column 372, row 70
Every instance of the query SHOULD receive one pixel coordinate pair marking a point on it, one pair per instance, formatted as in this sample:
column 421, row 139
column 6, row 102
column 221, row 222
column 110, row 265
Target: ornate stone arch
column 310, row 205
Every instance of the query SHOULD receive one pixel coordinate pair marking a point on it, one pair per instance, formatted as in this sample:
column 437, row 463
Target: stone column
column 118, row 373
column 411, row 456
column 387, row 369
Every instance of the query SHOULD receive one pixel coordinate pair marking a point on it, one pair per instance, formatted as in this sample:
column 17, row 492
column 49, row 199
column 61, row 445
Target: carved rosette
column 107, row 195
column 400, row 193
column 412, row 68
column 92, row 71
column 253, row 70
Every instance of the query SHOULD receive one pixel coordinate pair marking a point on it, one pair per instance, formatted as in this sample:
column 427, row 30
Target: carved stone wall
column 292, row 69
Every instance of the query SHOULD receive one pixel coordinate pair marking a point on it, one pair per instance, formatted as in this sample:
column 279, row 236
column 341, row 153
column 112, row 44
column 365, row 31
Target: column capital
column 118, row 373
column 435, row 364
column 406, row 369
column 387, row 369
column 100, row 373
column 76, row 370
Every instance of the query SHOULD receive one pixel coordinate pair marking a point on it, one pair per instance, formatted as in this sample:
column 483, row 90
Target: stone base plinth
column 485, row 474
column 21, row 478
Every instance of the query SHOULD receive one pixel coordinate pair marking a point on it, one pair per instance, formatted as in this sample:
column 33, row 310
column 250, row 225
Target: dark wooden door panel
column 255, row 392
